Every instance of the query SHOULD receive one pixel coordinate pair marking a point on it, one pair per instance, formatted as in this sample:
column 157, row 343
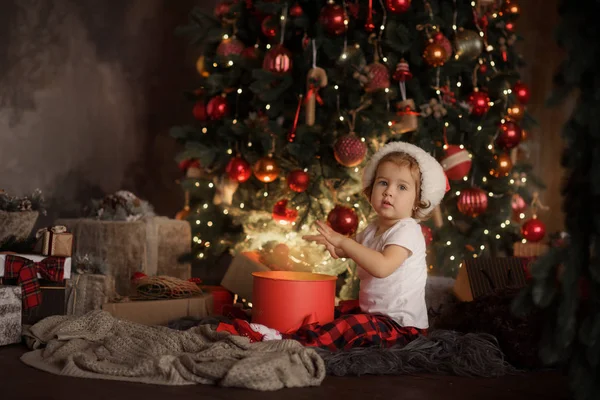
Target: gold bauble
column 516, row 112
column 468, row 45
column 201, row 67
column 435, row 54
column 266, row 170
column 503, row 165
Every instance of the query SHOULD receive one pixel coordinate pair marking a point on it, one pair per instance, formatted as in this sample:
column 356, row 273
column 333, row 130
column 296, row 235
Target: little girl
column 403, row 184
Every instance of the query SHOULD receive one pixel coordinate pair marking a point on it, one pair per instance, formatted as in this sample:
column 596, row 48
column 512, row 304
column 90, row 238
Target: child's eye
column 403, row 187
column 383, row 183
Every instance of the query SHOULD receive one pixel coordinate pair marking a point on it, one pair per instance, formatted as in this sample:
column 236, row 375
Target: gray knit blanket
column 97, row 345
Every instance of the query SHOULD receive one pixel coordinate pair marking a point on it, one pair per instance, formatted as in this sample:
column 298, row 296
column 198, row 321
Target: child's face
column 394, row 192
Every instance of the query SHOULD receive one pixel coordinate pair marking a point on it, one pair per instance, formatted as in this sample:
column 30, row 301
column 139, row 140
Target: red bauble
column 269, row 27
column 199, row 110
column 427, row 234
column 298, row 180
column 456, row 163
column 472, row 202
column 334, row 19
column 533, row 230
column 379, row 77
column 442, row 40
column 278, row 60
column 522, row 92
column 349, row 150
column 398, row 6
column 343, row 220
column 230, row 47
column 296, row 11
column 479, row 102
column 238, row 169
column 217, row 107
column 509, row 136
column 282, row 214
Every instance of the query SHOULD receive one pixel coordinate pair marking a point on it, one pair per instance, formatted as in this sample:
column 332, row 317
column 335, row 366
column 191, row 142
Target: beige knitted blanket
column 97, row 345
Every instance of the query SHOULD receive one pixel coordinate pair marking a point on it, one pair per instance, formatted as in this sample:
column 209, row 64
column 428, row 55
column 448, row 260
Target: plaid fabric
column 25, row 271
column 350, row 328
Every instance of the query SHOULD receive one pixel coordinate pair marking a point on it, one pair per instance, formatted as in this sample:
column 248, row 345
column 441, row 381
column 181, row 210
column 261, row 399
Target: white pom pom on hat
column 434, row 183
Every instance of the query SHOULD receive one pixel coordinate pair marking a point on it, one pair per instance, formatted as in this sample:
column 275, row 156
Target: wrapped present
column 151, row 245
column 88, row 292
column 161, row 312
column 54, row 241
column 238, row 278
column 10, row 314
column 221, row 298
column 529, row 249
column 487, row 275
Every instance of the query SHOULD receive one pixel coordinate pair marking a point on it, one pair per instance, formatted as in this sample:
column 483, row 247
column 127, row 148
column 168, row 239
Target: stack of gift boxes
column 35, row 286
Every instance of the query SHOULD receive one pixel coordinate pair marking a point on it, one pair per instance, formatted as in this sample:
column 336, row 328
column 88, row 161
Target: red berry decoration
column 456, row 163
column 472, row 202
column 398, row 6
column 343, row 220
column 282, row 214
column 278, row 60
column 195, row 280
column 349, row 150
column 238, row 169
column 522, row 92
column 298, row 180
column 217, row 107
column 533, row 230
column 199, row 111
column 479, row 102
column 427, row 234
column 509, row 136
column 334, row 19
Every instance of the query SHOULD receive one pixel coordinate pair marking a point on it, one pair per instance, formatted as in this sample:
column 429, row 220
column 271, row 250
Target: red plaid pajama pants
column 351, row 328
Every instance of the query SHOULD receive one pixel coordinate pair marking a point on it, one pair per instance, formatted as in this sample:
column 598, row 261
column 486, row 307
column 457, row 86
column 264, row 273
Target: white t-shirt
column 401, row 295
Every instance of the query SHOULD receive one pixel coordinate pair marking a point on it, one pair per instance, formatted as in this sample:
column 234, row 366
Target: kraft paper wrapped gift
column 529, row 249
column 238, row 278
column 54, row 241
column 10, row 314
column 150, row 245
column 161, row 312
column 89, row 292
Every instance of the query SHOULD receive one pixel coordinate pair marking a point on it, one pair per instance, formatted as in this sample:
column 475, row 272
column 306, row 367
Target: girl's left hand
column 329, row 234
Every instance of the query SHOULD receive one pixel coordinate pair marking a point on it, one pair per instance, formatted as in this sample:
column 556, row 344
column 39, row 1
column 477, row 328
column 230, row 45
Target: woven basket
column 17, row 224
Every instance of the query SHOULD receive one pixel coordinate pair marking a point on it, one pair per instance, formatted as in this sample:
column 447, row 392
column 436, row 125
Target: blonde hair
column 403, row 160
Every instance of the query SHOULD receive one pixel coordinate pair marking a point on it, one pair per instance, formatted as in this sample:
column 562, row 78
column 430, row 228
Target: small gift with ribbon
column 54, row 241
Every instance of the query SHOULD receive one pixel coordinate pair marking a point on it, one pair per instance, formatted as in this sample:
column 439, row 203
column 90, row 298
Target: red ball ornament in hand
column 533, row 230
column 278, row 60
column 282, row 214
column 298, row 180
column 349, row 150
column 522, row 92
column 456, row 163
column 334, row 19
column 343, row 220
column 472, row 202
column 217, row 107
column 479, row 102
column 398, row 6
column 509, row 136
column 238, row 169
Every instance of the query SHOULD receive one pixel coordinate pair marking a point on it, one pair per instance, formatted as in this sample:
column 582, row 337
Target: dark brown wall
column 89, row 91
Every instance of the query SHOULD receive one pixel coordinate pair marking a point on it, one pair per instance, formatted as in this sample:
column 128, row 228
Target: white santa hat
column 434, row 183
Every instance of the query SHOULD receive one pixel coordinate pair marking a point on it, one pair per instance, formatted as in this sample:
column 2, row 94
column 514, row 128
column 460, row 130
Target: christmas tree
column 293, row 96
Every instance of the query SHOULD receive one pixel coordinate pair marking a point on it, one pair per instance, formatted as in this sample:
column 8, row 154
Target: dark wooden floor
column 19, row 381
